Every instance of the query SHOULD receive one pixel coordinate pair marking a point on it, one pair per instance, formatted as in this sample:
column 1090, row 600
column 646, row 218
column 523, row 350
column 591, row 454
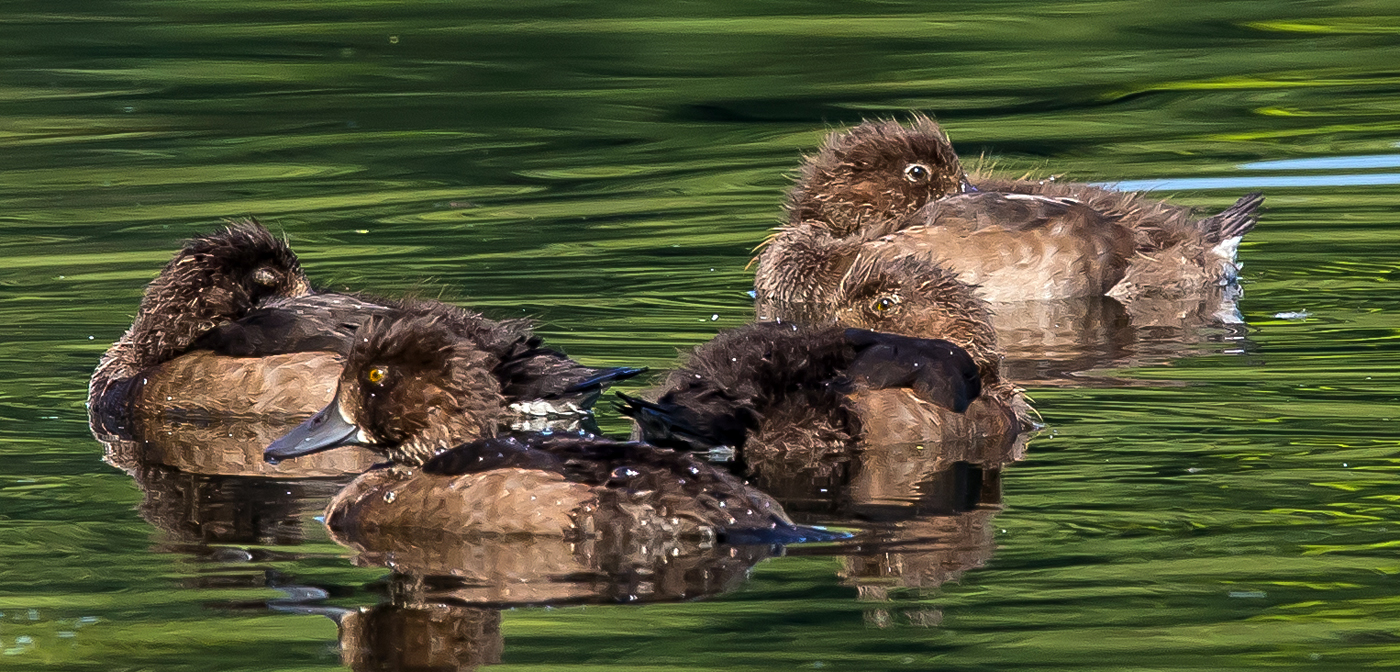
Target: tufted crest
column 432, row 390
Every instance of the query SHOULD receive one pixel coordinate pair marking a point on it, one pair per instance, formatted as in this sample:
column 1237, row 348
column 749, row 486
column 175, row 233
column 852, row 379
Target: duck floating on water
column 232, row 326
column 416, row 392
column 903, row 352
column 903, row 189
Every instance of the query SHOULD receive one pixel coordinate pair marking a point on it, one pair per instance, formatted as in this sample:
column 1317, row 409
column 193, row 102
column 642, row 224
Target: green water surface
column 607, row 169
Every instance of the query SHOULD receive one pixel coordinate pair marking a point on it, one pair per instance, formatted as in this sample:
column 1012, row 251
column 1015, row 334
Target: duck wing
column 673, row 485
column 698, row 421
column 318, row 322
column 983, row 210
column 529, row 371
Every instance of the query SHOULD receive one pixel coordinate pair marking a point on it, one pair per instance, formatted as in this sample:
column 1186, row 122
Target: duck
column 1015, row 239
column 418, row 394
column 211, row 281
column 231, row 325
column 904, row 352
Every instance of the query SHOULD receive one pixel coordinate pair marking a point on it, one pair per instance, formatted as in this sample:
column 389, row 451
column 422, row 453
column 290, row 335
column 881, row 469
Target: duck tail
column 671, row 425
column 602, row 378
column 1234, row 221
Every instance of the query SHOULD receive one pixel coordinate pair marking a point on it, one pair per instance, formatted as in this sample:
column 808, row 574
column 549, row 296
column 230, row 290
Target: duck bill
column 328, row 429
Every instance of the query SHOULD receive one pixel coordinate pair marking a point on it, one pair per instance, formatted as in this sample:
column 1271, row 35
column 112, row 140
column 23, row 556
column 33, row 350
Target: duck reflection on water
column 197, row 512
column 441, row 607
column 414, row 635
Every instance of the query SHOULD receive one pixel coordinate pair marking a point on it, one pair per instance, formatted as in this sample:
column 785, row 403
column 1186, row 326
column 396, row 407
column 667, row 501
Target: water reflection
column 1054, row 343
column 406, row 634
column 925, row 510
column 443, row 599
column 208, row 494
column 203, row 509
column 550, row 570
column 201, row 442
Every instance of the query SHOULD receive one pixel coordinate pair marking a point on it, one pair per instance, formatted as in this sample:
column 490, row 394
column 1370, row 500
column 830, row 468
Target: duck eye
column 265, row 276
column 885, row 304
column 917, row 173
column 376, row 375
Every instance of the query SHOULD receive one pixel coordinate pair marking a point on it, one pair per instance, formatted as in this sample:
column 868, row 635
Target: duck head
column 877, row 170
column 211, row 280
column 411, row 388
column 912, row 297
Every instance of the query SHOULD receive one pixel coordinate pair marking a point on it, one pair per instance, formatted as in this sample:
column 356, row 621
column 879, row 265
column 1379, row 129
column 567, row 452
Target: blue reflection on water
column 1328, row 163
column 1202, row 183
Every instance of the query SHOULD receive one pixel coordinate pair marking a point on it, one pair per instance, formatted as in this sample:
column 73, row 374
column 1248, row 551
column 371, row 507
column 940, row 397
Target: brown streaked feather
column 497, row 502
column 291, row 384
column 1017, row 248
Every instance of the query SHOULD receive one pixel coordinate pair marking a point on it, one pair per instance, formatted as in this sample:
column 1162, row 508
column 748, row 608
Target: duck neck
column 423, row 446
column 442, row 430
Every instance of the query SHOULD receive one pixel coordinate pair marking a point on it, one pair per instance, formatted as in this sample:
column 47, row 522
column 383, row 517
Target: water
column 607, row 171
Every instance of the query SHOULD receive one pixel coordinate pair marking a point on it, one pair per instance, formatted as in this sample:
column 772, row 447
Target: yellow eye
column 885, row 305
column 376, row 374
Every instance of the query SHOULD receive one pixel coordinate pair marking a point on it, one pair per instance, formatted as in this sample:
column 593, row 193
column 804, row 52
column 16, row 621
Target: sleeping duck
column 903, row 352
column 232, row 326
column 1016, row 240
